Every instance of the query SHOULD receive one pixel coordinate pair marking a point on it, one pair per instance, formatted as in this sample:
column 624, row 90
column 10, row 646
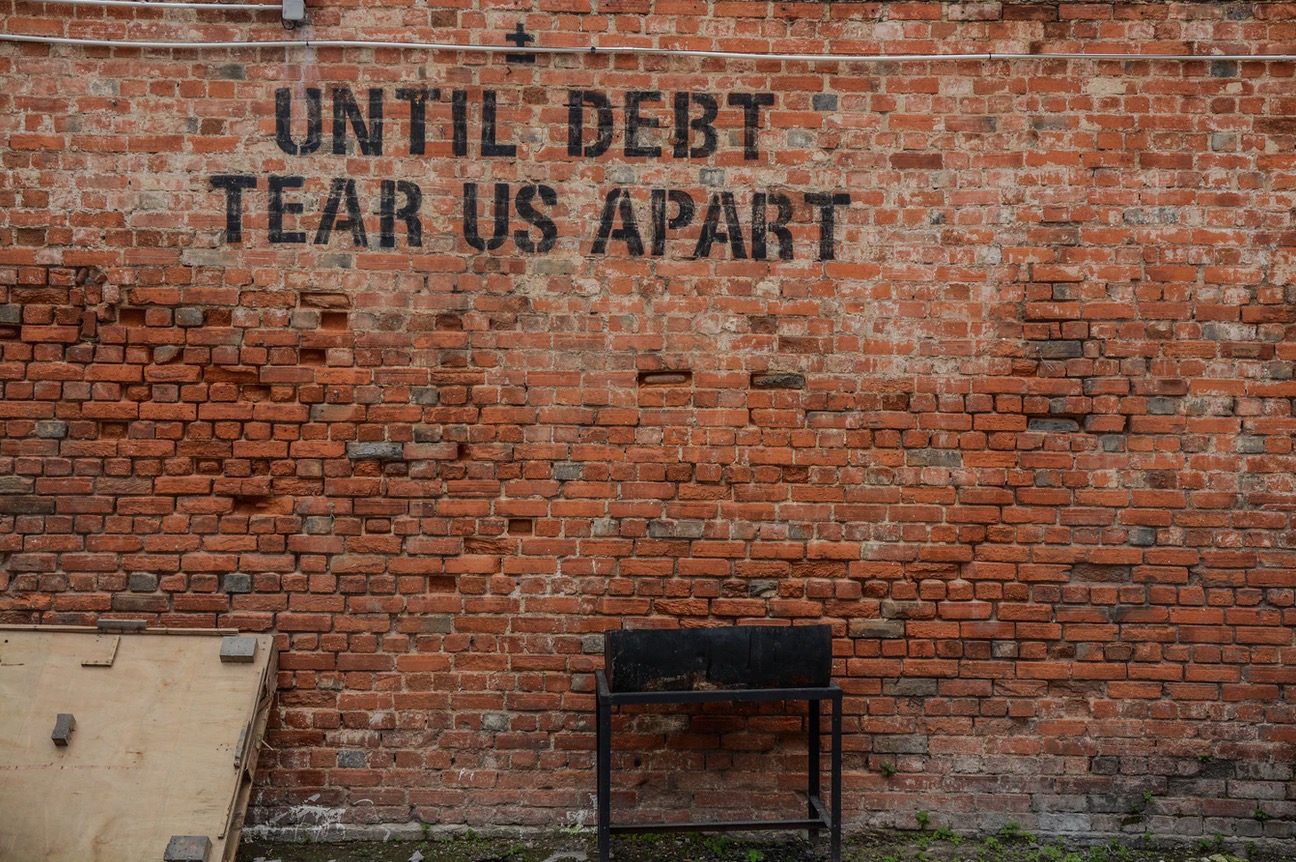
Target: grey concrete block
column 64, row 724
column 238, row 649
column 824, row 101
column 187, row 848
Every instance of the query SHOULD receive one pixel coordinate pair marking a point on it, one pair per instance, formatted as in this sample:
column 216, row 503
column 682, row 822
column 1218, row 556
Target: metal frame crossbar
column 818, row 816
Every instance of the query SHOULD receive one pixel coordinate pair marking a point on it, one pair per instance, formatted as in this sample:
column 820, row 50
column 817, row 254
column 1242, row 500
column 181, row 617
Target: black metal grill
column 740, row 664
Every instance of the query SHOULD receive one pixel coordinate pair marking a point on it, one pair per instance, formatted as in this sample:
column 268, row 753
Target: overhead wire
column 162, row 4
column 629, row 49
column 828, row 57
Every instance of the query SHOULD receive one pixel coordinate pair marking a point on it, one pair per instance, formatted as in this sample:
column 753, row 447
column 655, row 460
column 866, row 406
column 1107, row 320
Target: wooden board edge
column 245, row 771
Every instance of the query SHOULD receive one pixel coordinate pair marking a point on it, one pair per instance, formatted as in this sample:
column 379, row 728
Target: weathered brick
column 877, row 629
column 142, row 582
column 380, row 451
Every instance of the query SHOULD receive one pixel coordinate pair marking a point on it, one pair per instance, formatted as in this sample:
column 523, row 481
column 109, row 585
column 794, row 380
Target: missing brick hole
column 250, row 504
column 665, row 378
column 113, row 430
column 334, row 320
column 90, row 275
column 131, row 317
column 521, row 527
column 255, row 392
column 777, row 380
column 1056, row 423
column 325, row 300
column 314, row 356
column 260, row 504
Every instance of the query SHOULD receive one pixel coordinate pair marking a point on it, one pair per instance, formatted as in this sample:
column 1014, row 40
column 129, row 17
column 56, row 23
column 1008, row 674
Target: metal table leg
column 812, row 767
column 604, row 768
column 836, row 775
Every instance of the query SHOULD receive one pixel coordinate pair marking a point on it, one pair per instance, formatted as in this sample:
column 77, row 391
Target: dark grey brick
column 382, row 451
column 51, row 429
column 17, row 484
column 189, row 316
column 425, row 396
column 778, row 380
column 824, row 101
column 142, row 582
column 349, row 758
column 236, row 582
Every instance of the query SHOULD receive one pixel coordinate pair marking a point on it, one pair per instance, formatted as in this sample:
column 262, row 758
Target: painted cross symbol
column 521, row 38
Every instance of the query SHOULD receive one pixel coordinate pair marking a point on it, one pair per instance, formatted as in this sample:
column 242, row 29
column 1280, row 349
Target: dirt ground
column 1009, row 845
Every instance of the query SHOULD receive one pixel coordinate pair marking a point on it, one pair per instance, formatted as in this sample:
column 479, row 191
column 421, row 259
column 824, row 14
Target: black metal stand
column 818, row 817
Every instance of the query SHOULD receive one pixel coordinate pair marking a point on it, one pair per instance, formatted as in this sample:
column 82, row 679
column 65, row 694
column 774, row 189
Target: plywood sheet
column 165, row 743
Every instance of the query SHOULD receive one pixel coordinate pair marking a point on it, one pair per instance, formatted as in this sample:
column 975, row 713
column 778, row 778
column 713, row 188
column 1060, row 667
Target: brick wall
column 987, row 362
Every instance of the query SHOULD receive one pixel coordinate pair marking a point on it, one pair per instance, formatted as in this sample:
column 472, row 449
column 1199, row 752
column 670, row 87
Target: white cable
column 163, row 4
column 625, row 49
column 173, row 46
